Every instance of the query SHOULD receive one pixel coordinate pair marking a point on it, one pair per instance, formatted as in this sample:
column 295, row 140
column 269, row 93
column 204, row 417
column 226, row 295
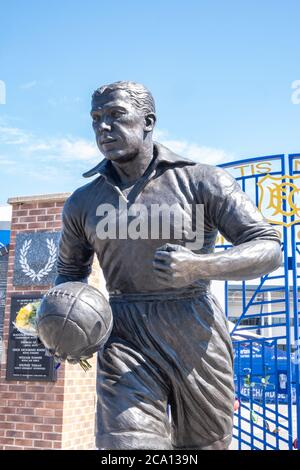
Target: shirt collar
column 163, row 156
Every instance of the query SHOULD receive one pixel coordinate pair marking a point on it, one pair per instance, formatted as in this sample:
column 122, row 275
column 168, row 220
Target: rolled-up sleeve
column 75, row 253
column 231, row 211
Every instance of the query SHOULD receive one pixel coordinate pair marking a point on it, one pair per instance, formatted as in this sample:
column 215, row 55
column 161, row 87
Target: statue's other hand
column 176, row 266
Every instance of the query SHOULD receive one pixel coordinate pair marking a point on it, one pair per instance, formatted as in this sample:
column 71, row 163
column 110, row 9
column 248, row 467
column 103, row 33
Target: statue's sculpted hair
column 140, row 96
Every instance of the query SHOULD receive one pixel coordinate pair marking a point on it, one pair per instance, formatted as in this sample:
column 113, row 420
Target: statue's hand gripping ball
column 74, row 320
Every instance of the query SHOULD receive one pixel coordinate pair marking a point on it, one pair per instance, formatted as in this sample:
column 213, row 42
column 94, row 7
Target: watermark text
column 182, row 223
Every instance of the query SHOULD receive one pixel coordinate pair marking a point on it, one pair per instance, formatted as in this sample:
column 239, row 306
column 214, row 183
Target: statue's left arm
column 75, row 253
column 256, row 245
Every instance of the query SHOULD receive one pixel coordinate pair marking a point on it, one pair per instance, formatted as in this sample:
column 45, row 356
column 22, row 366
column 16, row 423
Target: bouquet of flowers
column 26, row 319
column 26, row 323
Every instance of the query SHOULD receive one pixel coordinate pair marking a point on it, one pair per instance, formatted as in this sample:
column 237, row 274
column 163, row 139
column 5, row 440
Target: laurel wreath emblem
column 27, row 270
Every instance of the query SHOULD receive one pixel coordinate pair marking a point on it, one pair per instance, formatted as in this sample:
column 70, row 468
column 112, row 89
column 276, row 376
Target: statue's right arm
column 75, row 255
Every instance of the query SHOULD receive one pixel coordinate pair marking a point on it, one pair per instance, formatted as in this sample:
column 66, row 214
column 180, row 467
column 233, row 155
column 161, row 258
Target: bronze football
column 74, row 321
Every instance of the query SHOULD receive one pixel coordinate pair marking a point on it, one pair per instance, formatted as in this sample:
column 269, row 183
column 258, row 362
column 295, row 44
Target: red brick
column 14, row 434
column 52, row 436
column 59, row 203
column 37, row 212
column 43, row 412
column 59, row 397
column 57, row 445
column 35, row 388
column 54, row 210
column 17, row 388
column 34, row 419
column 27, row 219
column 59, row 389
column 53, row 224
column 26, row 426
column 54, row 405
column 7, row 440
column 27, row 396
column 16, row 418
column 53, row 420
column 19, row 227
column 16, row 403
column 33, row 435
column 24, row 442
column 44, row 205
column 7, row 410
column 20, row 213
column 45, row 218
column 43, row 444
column 25, row 411
column 45, row 396
column 7, row 425
column 44, row 427
column 58, row 428
column 30, row 205
column 11, row 395
column 36, row 225
column 35, row 404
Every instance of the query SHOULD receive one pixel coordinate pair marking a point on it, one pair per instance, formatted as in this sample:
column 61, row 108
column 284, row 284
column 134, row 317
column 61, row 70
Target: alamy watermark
column 295, row 97
column 2, row 92
column 183, row 224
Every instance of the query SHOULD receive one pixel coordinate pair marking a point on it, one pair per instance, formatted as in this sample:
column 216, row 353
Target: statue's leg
column 132, row 403
column 221, row 444
column 161, row 351
column 202, row 386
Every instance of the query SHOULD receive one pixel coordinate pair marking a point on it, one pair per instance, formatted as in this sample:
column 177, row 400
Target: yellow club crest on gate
column 279, row 199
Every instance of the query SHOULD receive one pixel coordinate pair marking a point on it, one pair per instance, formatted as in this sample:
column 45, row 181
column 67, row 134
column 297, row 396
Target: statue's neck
column 131, row 170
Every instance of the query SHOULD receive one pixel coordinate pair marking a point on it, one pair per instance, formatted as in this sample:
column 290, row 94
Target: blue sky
column 221, row 73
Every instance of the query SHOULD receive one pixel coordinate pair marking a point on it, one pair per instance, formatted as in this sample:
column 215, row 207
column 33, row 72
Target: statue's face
column 118, row 125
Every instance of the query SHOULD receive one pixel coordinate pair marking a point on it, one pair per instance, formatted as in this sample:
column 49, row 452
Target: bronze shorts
column 165, row 377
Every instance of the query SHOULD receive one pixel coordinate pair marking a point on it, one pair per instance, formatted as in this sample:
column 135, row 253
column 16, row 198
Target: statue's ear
column 150, row 120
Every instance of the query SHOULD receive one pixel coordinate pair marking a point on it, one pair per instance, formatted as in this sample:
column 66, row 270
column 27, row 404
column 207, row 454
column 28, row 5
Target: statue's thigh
column 202, row 384
column 132, row 403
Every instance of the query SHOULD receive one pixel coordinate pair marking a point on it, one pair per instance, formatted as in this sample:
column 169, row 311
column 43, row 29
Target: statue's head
column 123, row 116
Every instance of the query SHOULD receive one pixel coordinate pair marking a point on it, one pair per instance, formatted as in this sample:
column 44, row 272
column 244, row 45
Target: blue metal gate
column 294, row 199
column 263, row 314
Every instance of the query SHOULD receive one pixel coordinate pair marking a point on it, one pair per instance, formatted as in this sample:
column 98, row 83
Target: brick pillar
column 44, row 415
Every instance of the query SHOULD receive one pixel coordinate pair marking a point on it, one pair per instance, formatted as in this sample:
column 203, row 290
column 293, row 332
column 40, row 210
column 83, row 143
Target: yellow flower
column 24, row 316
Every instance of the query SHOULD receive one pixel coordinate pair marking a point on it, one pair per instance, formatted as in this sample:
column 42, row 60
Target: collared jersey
column 170, row 179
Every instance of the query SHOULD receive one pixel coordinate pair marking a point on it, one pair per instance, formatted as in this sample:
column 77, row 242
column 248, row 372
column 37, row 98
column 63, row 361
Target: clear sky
column 221, row 73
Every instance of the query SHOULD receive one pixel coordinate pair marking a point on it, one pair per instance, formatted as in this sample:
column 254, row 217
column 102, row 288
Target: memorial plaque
column 3, row 280
column 35, row 258
column 26, row 358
